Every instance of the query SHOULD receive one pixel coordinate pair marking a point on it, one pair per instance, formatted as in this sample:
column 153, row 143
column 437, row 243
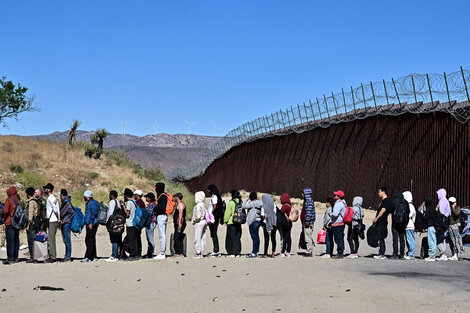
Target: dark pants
column 266, row 238
column 254, row 233
column 215, row 239
column 382, row 234
column 132, row 241
column 116, row 243
column 329, row 240
column 90, row 242
column 138, row 235
column 233, row 243
column 31, row 235
column 178, row 238
column 13, row 242
column 353, row 239
column 286, row 238
column 398, row 233
column 338, row 234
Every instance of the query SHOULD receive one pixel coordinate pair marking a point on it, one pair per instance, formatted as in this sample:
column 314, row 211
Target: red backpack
column 348, row 215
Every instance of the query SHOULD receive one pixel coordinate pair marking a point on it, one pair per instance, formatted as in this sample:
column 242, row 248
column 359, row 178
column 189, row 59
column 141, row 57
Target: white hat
column 139, row 192
column 88, row 194
column 452, row 199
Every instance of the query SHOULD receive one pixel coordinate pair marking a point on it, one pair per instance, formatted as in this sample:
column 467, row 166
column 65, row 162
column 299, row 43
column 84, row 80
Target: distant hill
column 165, row 151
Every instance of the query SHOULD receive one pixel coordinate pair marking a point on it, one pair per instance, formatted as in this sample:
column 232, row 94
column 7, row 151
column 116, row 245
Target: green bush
column 93, row 175
column 31, row 179
column 16, row 168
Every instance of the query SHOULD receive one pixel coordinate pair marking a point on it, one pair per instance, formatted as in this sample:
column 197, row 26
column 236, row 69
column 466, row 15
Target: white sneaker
column 326, row 256
column 198, row 256
column 442, row 258
column 428, row 259
column 161, row 256
column 3, row 248
column 282, row 255
column 352, row 256
column 230, row 256
column 214, row 255
column 22, row 247
column 454, row 258
column 111, row 259
column 380, row 257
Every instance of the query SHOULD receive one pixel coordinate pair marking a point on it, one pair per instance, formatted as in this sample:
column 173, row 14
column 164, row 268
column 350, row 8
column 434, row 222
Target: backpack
column 19, row 218
column 373, row 236
column 116, row 224
column 293, row 214
column 348, row 215
column 2, row 220
column 224, row 207
column 239, row 214
column 102, row 216
column 441, row 221
column 141, row 217
column 170, row 203
column 42, row 209
column 281, row 218
column 78, row 221
column 401, row 212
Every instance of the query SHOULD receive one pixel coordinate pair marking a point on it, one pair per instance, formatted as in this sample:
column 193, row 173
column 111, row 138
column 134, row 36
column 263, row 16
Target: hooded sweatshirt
column 270, row 217
column 444, row 205
column 430, row 213
column 199, row 210
column 308, row 207
column 412, row 217
column 338, row 212
column 358, row 211
column 10, row 205
column 218, row 211
column 162, row 199
column 286, row 205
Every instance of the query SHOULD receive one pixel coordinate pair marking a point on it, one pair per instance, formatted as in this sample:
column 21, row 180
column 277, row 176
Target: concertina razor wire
column 414, row 93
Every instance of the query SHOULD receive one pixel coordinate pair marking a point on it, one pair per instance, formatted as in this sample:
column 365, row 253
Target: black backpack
column 239, row 214
column 401, row 212
column 420, row 223
column 440, row 220
column 19, row 218
column 373, row 236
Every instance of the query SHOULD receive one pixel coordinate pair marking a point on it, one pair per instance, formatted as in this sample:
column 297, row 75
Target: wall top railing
column 414, row 93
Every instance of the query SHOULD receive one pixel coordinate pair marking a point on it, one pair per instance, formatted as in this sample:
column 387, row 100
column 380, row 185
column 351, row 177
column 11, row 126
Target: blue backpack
column 78, row 220
column 141, row 217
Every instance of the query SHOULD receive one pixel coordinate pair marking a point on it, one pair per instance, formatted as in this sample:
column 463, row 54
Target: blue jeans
column 13, row 242
column 254, row 233
column 330, row 244
column 149, row 231
column 338, row 233
column 161, row 221
column 432, row 242
column 410, row 238
column 66, row 237
column 116, row 243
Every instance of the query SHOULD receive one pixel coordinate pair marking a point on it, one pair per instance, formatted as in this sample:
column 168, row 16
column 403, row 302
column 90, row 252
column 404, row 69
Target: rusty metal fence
column 414, row 93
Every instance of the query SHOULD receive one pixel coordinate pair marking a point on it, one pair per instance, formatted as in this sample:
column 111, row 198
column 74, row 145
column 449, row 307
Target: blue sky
column 212, row 62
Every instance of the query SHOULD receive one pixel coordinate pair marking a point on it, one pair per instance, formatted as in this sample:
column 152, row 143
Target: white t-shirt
column 112, row 205
column 52, row 205
column 213, row 203
column 131, row 208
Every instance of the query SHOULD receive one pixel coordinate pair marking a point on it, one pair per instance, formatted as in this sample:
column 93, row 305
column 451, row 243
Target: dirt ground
column 294, row 284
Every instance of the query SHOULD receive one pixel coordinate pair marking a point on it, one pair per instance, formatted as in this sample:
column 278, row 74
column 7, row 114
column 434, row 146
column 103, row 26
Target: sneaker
column 282, row 255
column 308, row 255
column 131, row 259
column 338, row 256
column 453, row 258
column 22, row 247
column 251, row 256
column 197, row 256
column 3, row 248
column 95, row 260
column 230, row 256
column 428, row 259
column 352, row 256
column 84, row 260
column 111, row 259
column 29, row 261
column 8, row 262
column 380, row 257
column 49, row 261
column 326, row 256
column 66, row 260
column 161, row 256
column 238, row 255
column 442, row 258
column 395, row 257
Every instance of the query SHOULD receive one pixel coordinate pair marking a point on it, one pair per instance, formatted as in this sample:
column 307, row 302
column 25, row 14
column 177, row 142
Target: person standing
column 353, row 228
column 253, row 205
column 410, row 228
column 91, row 224
column 162, row 218
column 115, row 209
column 381, row 220
column 66, row 216
column 399, row 227
column 441, row 227
column 200, row 224
column 42, row 209
column 53, row 216
column 307, row 218
column 329, row 240
column 179, row 223
column 430, row 218
column 129, row 209
column 455, row 242
column 337, row 224
column 216, row 207
column 33, row 225
column 150, row 228
column 138, row 194
column 269, row 224
column 287, row 227
column 233, row 244
column 12, row 234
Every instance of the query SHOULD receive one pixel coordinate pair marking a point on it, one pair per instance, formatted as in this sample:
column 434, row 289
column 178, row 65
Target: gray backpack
column 102, row 214
column 20, row 218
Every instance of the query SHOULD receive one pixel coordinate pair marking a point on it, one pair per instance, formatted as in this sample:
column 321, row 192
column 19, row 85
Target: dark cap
column 48, row 186
column 64, row 192
column 128, row 193
column 150, row 195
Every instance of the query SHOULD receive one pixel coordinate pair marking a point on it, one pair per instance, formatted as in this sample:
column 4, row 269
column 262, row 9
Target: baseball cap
column 139, row 192
column 339, row 193
column 452, row 199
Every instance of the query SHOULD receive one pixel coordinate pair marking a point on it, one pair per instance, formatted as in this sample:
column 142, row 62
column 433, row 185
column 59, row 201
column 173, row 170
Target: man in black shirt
column 381, row 222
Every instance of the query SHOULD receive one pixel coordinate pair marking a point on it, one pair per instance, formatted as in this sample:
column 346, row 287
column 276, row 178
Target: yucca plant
column 98, row 139
column 73, row 131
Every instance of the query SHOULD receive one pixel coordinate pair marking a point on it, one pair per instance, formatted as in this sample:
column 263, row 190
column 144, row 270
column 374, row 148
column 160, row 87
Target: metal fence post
column 300, row 115
column 352, row 95
column 293, row 116
column 386, row 94
column 465, row 84
column 447, row 88
column 306, row 113
column 414, row 89
column 396, row 91
column 311, row 108
column 319, row 109
column 334, row 103
column 373, row 96
column 344, row 101
column 364, row 97
column 326, row 106
column 430, row 92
